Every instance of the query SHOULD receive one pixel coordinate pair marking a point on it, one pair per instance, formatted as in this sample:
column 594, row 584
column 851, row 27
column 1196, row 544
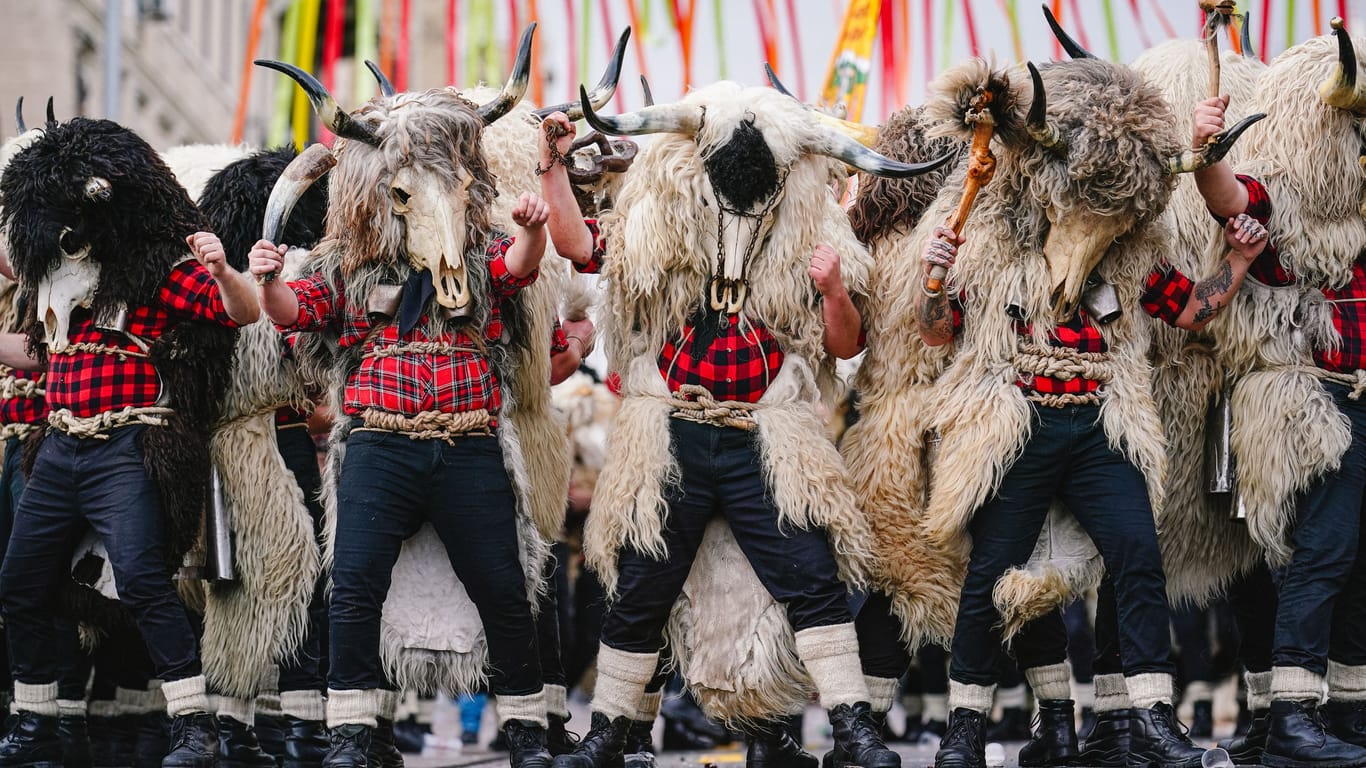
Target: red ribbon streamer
column 683, row 18
column 1077, row 25
column 768, row 36
column 1138, row 22
column 514, row 33
column 1057, row 46
column 637, row 35
column 239, row 120
column 1162, row 19
column 405, row 17
column 971, row 25
column 796, row 48
column 610, row 37
column 571, row 79
column 332, row 45
column 1265, row 21
column 386, row 35
column 453, row 55
column 1342, row 9
column 887, row 23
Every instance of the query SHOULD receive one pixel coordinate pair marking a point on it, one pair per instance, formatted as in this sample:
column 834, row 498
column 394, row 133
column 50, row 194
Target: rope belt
column 101, row 424
column 418, row 348
column 1356, row 380
column 694, row 403
column 429, row 425
column 12, row 387
column 20, row 431
column 1063, row 364
column 88, row 348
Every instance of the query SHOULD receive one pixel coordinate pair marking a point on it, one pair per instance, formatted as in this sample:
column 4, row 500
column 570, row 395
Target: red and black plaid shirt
column 1164, row 297
column 89, row 383
column 23, row 410
column 1348, row 302
column 410, row 383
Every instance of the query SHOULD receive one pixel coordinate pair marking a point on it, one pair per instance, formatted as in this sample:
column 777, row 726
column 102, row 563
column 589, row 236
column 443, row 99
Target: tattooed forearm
column 1210, row 292
column 936, row 319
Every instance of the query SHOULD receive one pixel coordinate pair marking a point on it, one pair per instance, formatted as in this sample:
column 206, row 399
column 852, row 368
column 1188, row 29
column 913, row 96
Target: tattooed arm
column 1246, row 238
column 934, row 316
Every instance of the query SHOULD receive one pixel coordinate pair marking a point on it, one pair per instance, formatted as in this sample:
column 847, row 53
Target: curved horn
column 51, row 116
column 1037, row 121
column 386, row 88
column 1193, row 160
column 1246, row 34
column 19, row 115
column 333, row 116
column 603, row 91
column 1069, row 45
column 776, row 83
column 849, row 151
column 667, row 118
column 645, row 88
column 515, row 87
column 1341, row 90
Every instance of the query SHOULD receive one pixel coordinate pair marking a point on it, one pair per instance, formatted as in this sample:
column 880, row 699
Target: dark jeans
column 1068, row 457
column 389, row 487
column 590, row 603
column 1191, row 626
column 1322, row 567
column 1254, row 601
column 1041, row 643
column 1106, row 661
column 721, row 474
column 1081, row 640
column 305, row 670
column 879, row 638
column 103, row 483
column 548, row 618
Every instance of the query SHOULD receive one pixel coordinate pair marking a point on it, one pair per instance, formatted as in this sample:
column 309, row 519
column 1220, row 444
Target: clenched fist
column 266, row 258
column 531, row 212
column 1209, row 120
column 208, row 249
column 825, row 270
column 942, row 250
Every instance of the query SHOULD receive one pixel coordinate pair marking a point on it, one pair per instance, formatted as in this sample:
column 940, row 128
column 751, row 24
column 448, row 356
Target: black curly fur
column 234, row 201
column 885, row 206
column 743, row 170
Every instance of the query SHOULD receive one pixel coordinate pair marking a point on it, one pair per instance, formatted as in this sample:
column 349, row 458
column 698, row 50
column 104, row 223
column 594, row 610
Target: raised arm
column 235, row 288
column 530, row 215
column 934, row 316
column 1245, row 238
column 571, row 238
column 1223, row 193
column 843, row 326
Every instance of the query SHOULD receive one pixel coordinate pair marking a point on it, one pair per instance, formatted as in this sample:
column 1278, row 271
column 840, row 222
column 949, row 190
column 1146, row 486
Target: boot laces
column 1173, row 725
column 962, row 730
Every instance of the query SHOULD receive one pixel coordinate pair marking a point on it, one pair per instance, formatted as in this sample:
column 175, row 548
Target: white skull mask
column 72, row 284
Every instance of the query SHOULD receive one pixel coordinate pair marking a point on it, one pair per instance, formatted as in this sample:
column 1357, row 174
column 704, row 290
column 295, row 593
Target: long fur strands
column 884, row 206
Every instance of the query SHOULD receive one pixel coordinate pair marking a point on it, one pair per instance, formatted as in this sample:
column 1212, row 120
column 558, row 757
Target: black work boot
column 858, row 737
column 194, row 742
column 526, row 744
column 1157, row 740
column 964, row 743
column 1202, row 719
column 383, row 752
column 1013, row 725
column 1296, row 736
column 113, row 740
column 1107, row 746
column 153, row 739
column 639, row 751
column 305, row 742
column 74, row 732
column 772, row 746
column 1055, row 739
column 270, row 734
column 601, row 747
column 238, row 747
column 1247, row 748
column 1346, row 720
column 31, row 741
column 349, row 747
column 557, row 737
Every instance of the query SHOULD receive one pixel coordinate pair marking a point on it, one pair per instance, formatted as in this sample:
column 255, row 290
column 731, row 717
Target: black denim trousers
column 721, row 474
column 391, row 485
column 1068, row 458
column 103, row 483
column 1324, row 565
column 306, row 669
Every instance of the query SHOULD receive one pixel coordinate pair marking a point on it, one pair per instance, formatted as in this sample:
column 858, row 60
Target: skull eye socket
column 400, row 196
column 69, row 243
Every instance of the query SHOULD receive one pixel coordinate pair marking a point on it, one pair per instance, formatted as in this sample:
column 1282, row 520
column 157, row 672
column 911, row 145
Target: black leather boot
column 410, row 735
column 772, row 746
column 1088, row 722
column 1346, row 720
column 1157, row 740
column 1013, row 725
column 914, row 727
column 113, row 741
column 31, row 741
column 305, row 743
column 383, row 752
column 557, row 737
column 1202, row 719
column 526, row 744
column 1247, row 748
column 1055, row 739
column 1107, row 746
column 601, row 747
column 1296, row 736
column 349, row 747
column 238, row 747
column 194, row 742
column 639, row 751
column 270, row 734
column 964, row 743
column 858, row 737
column 74, row 732
column 153, row 739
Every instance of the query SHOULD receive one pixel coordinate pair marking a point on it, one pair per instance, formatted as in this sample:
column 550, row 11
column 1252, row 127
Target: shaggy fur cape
column 731, row 641
column 431, row 636
column 965, row 391
column 1287, row 430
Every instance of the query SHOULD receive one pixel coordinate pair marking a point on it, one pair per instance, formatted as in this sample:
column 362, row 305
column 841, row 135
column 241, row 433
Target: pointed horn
column 1341, row 89
column 1069, row 45
column 850, row 152
column 775, row 82
column 645, row 88
column 1246, row 33
column 301, row 173
column 386, row 88
column 1193, row 160
column 515, row 88
column 332, row 116
column 667, row 118
column 603, row 91
column 1037, row 122
column 51, row 116
column 19, row 115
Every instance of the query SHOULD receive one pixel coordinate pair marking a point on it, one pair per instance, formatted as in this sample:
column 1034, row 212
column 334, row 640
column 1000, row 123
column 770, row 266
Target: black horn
column 334, row 117
column 386, row 88
column 603, row 91
column 1037, row 122
column 775, row 82
column 51, row 115
column 515, row 88
column 1246, row 34
column 19, row 115
column 1071, row 46
column 665, row 118
column 645, row 89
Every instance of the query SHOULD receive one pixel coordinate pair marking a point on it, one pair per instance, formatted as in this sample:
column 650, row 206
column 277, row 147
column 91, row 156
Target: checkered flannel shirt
column 89, row 383
column 23, row 410
column 411, row 383
column 1348, row 302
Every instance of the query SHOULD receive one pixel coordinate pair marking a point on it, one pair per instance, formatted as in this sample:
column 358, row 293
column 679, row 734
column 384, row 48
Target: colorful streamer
column 1008, row 10
column 1138, row 24
column 889, row 50
column 452, row 50
column 367, row 47
column 971, row 26
column 572, row 82
column 332, row 45
column 239, row 118
column 1318, row 17
column 847, row 79
column 388, row 20
column 284, row 92
column 1057, row 14
column 946, row 36
column 683, row 19
column 903, row 43
column 584, row 13
column 533, row 12
column 1289, row 23
column 927, row 14
column 639, row 26
column 405, row 23
column 1111, row 34
column 722, row 66
column 308, row 44
column 768, row 32
column 1082, row 37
